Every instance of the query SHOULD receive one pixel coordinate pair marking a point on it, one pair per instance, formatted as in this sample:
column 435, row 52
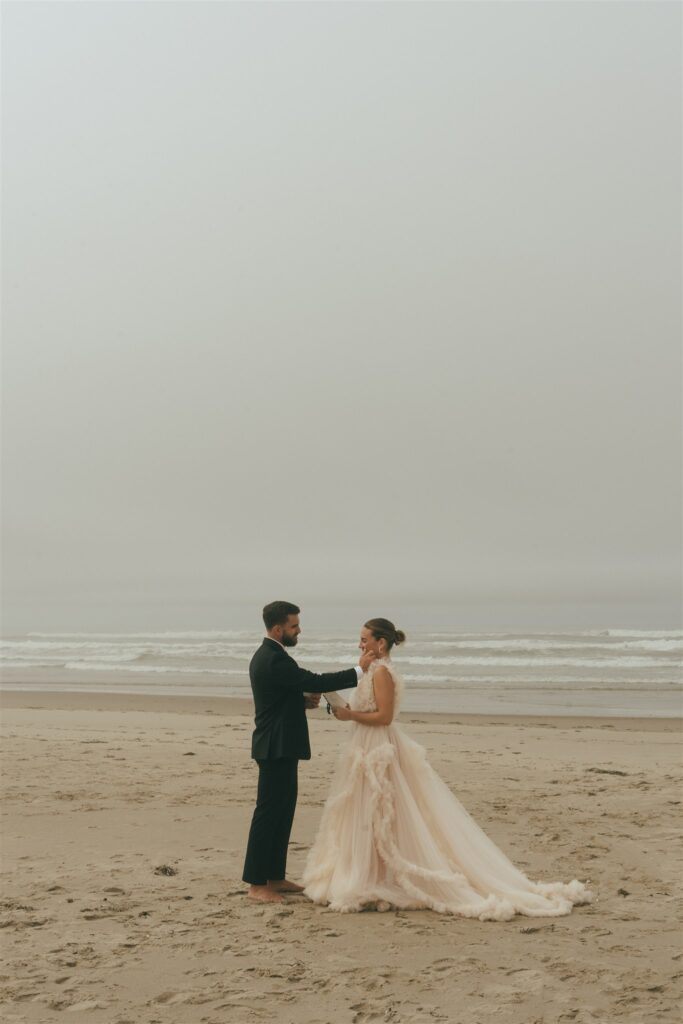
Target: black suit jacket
column 278, row 685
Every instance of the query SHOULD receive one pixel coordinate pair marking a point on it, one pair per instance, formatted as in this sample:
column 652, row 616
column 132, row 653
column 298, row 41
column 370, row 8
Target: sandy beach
column 125, row 819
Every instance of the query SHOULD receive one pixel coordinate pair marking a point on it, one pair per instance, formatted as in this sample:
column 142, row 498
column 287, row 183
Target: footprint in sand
column 86, row 1004
column 169, row 998
column 441, row 967
column 371, row 1010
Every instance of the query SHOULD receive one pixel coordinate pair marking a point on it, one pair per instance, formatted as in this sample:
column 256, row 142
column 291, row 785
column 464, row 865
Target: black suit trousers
column 271, row 824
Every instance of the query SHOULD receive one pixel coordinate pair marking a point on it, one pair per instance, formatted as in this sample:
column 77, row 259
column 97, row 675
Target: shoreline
column 92, row 700
column 530, row 701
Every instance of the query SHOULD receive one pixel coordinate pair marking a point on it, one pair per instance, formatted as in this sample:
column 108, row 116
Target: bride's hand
column 343, row 714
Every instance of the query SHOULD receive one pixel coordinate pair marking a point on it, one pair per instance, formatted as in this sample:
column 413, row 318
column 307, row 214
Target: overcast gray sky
column 374, row 305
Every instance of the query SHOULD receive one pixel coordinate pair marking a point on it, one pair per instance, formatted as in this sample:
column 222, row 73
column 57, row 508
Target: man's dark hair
column 277, row 612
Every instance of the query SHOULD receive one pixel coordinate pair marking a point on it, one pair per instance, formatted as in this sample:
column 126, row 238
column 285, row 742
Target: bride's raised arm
column 385, row 693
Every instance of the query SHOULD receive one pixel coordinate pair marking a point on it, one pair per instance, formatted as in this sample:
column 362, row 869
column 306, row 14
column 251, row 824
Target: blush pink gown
column 393, row 836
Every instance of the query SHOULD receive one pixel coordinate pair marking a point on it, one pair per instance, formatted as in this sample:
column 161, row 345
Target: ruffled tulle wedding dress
column 393, row 836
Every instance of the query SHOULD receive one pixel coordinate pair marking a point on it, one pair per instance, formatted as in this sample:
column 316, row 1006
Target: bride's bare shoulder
column 383, row 675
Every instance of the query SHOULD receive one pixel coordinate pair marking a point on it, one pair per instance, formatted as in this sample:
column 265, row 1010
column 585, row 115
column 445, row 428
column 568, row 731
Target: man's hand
column 343, row 714
column 312, row 700
column 366, row 660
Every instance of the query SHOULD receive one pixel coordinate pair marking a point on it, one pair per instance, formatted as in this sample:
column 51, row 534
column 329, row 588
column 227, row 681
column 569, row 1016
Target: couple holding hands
column 392, row 834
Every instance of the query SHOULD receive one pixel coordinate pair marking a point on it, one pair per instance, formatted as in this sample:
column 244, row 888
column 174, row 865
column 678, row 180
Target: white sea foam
column 534, row 644
column 570, row 670
column 105, row 666
column 521, row 662
column 215, row 634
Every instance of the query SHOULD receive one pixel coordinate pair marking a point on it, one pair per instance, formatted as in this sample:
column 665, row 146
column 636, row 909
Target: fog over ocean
column 373, row 307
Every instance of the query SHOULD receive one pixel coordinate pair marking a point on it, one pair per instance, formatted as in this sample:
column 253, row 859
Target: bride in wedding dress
column 393, row 835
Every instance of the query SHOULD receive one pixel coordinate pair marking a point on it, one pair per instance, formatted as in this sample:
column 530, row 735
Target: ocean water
column 602, row 672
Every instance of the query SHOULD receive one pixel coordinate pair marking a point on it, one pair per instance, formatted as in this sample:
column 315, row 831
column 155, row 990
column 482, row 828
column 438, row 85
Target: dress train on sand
column 394, row 836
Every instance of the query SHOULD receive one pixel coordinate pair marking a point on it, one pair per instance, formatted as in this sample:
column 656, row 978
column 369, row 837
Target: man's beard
column 289, row 641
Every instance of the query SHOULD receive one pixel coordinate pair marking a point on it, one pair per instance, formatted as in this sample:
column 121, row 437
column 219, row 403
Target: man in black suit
column 279, row 742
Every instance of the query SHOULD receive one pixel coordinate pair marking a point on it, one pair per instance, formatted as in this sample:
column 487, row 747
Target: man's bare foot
column 264, row 894
column 283, row 885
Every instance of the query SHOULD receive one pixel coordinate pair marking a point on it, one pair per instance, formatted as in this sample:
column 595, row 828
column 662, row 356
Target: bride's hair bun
column 382, row 628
